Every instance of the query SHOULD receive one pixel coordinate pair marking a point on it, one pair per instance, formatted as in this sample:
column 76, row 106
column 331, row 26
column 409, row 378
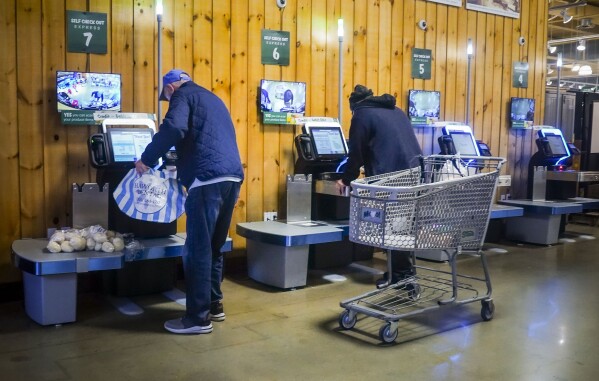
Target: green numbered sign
column 421, row 63
column 275, row 47
column 86, row 32
column 520, row 74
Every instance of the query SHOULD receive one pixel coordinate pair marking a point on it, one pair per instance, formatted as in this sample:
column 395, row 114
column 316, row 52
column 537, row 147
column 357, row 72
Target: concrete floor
column 544, row 328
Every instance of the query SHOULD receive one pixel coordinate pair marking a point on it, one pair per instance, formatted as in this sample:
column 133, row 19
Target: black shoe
column 217, row 312
column 181, row 327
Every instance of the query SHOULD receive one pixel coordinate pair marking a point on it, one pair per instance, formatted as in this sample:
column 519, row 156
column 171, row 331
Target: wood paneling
column 219, row 43
column 10, row 200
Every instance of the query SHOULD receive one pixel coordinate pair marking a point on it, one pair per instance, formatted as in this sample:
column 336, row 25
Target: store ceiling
column 583, row 24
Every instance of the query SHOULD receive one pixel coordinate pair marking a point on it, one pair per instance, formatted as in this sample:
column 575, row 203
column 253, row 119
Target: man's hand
column 140, row 167
column 340, row 187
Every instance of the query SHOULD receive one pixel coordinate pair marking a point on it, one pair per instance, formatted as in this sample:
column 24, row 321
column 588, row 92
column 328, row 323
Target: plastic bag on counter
column 93, row 237
column 133, row 248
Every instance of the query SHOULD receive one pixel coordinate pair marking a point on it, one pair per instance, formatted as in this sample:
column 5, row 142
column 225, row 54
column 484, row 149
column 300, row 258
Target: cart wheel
column 487, row 310
column 346, row 321
column 413, row 290
column 386, row 335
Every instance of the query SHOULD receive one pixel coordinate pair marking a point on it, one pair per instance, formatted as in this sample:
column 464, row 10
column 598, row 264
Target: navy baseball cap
column 170, row 77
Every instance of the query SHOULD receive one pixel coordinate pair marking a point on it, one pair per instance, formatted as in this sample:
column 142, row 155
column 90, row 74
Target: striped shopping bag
column 153, row 196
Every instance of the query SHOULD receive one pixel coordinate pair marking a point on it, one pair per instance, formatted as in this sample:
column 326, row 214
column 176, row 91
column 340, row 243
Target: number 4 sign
column 520, row 74
column 86, row 32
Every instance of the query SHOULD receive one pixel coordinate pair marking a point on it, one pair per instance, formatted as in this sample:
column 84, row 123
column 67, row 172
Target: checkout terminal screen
column 557, row 145
column 328, row 141
column 127, row 144
column 464, row 144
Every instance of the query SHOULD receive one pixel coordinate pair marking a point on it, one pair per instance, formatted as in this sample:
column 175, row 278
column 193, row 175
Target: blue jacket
column 381, row 139
column 199, row 125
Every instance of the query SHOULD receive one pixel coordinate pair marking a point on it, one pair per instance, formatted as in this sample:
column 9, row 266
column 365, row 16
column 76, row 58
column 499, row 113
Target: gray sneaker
column 217, row 312
column 179, row 326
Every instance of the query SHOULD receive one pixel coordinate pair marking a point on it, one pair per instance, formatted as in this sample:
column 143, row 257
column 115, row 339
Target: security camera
column 422, row 24
column 281, row 3
column 521, row 41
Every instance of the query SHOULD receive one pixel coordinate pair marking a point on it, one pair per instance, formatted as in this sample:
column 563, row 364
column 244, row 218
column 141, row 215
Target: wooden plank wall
column 219, row 43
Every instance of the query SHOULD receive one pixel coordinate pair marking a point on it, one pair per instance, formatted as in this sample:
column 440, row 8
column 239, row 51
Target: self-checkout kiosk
column 458, row 139
column 321, row 153
column 315, row 231
column 455, row 140
column 113, row 153
column 552, row 192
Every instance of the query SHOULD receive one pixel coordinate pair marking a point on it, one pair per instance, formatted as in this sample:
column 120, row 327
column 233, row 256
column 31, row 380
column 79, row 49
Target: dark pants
column 209, row 209
column 401, row 262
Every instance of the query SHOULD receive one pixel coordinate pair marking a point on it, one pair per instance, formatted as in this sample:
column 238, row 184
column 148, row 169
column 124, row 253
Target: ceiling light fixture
column 552, row 49
column 566, row 16
column 559, row 63
column 549, row 69
column 585, row 70
column 575, row 67
column 581, row 45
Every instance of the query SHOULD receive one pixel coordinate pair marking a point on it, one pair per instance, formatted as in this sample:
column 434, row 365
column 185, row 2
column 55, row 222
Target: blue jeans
column 209, row 209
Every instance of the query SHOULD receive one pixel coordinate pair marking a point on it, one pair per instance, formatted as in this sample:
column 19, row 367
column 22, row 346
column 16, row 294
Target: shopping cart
column 442, row 204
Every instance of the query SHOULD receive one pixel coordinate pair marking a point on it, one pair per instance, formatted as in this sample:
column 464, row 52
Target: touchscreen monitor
column 555, row 140
column 328, row 142
column 127, row 144
column 464, row 143
column 556, row 145
column 463, row 139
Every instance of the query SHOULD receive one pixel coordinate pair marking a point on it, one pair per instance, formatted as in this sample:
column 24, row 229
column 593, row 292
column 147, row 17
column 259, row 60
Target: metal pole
column 468, row 88
column 159, row 109
column 340, row 90
column 558, row 112
column 469, row 52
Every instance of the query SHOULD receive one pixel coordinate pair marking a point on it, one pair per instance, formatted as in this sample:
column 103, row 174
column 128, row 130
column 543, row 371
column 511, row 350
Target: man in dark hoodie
column 382, row 140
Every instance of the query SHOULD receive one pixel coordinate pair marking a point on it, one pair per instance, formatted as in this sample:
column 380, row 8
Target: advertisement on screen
column 78, row 91
column 282, row 102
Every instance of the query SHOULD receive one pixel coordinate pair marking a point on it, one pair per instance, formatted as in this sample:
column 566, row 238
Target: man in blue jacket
column 198, row 124
column 381, row 139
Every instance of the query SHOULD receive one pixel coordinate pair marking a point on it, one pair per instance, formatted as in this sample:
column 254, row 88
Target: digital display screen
column 522, row 109
column 282, row 96
column 424, row 104
column 464, row 144
column 127, row 144
column 88, row 91
column 328, row 142
column 557, row 145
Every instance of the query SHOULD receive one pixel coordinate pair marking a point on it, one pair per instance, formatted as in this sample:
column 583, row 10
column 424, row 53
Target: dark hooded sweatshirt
column 381, row 139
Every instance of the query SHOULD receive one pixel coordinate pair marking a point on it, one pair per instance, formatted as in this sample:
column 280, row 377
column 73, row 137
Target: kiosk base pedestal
column 279, row 266
column 50, row 299
column 542, row 230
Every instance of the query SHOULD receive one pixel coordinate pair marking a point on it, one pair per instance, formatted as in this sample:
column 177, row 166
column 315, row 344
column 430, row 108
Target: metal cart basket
column 442, row 204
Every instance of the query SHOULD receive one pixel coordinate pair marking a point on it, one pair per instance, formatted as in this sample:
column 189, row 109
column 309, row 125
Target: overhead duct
column 585, row 23
column 579, row 3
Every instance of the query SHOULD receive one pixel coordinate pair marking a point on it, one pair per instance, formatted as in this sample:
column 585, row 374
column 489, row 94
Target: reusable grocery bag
column 153, row 196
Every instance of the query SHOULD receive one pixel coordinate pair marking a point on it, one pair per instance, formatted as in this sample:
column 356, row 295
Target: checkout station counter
column 315, row 232
column 50, row 280
column 459, row 139
column 553, row 191
column 316, row 229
